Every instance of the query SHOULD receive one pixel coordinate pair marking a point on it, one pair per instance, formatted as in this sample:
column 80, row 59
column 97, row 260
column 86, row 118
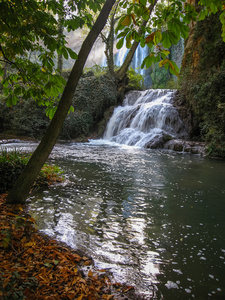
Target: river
column 155, row 218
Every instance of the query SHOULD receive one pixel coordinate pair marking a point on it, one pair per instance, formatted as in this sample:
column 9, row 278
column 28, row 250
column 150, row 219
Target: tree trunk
column 109, row 41
column 125, row 66
column 60, row 35
column 22, row 187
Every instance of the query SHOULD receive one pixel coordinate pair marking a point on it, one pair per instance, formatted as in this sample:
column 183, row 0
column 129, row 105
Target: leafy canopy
column 167, row 23
column 29, row 41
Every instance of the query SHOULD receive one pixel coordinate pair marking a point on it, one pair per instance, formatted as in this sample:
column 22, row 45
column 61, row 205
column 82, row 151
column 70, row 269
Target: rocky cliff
column 201, row 98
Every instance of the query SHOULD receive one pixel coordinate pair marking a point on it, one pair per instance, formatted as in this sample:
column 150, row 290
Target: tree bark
column 21, row 189
column 109, row 42
column 60, row 34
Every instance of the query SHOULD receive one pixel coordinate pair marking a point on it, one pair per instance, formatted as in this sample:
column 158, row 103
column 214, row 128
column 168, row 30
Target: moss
column 25, row 119
column 202, row 85
column 94, row 95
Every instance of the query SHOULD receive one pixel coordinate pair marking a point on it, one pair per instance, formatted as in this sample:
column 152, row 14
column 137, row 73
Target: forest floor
column 33, row 266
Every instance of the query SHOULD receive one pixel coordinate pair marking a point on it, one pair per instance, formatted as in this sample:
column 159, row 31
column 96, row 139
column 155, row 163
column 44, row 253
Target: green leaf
column 157, row 37
column 128, row 44
column 119, row 44
column 65, row 53
column 9, row 101
column 203, row 13
column 71, row 109
column 136, row 37
column 5, row 83
column 149, row 61
column 72, row 54
column 142, row 42
column 184, row 29
column 175, row 25
column 143, row 2
column 48, row 265
column 50, row 111
column 222, row 19
column 165, row 53
column 121, row 34
column 166, row 42
column 14, row 100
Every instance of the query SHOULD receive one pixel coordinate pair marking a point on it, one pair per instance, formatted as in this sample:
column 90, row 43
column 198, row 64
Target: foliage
column 136, row 81
column 159, row 76
column 29, row 41
column 11, row 165
column 96, row 70
column 202, row 84
column 173, row 84
column 94, row 94
column 164, row 28
column 24, row 119
column 77, row 124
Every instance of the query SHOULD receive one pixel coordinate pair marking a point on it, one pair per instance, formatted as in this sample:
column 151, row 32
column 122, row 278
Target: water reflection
column 155, row 218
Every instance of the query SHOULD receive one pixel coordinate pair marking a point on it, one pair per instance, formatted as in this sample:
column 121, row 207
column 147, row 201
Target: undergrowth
column 12, row 164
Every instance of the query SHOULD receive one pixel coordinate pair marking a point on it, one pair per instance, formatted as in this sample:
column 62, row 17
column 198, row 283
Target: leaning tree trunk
column 121, row 73
column 22, row 187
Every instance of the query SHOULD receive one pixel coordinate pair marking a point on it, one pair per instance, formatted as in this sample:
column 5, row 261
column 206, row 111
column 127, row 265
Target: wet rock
column 158, row 141
column 186, row 146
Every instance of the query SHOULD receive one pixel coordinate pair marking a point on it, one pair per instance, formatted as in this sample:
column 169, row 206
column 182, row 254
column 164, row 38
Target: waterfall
column 137, row 60
column 146, row 119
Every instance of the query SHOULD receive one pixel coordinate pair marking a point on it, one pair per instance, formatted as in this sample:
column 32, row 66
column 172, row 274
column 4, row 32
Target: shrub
column 12, row 164
column 136, row 81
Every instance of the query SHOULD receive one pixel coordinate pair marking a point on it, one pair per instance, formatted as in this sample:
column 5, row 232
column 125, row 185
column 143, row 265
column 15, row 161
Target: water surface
column 154, row 218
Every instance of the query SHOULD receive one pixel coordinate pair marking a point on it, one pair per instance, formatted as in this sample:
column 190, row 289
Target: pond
column 154, row 218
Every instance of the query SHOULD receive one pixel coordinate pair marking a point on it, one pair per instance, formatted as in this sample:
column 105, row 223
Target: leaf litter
column 32, row 266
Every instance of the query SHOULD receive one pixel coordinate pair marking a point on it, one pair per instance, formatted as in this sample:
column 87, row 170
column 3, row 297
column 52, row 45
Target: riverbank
column 36, row 267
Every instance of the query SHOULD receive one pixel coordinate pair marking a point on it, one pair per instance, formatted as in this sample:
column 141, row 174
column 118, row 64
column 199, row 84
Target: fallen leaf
column 90, row 273
column 29, row 244
column 128, row 288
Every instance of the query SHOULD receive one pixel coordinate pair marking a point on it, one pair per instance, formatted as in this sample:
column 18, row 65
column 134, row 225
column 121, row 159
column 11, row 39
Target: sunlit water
column 155, row 219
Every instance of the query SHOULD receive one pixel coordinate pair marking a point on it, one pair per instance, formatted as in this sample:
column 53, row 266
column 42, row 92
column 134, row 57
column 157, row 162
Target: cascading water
column 146, row 119
column 137, row 60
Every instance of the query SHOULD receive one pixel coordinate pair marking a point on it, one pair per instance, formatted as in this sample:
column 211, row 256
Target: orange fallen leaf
column 128, row 288
column 87, row 263
column 90, row 273
column 107, row 297
column 85, row 258
column 29, row 244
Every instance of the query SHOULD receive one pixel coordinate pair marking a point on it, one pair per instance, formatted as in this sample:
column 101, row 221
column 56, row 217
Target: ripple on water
column 154, row 218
